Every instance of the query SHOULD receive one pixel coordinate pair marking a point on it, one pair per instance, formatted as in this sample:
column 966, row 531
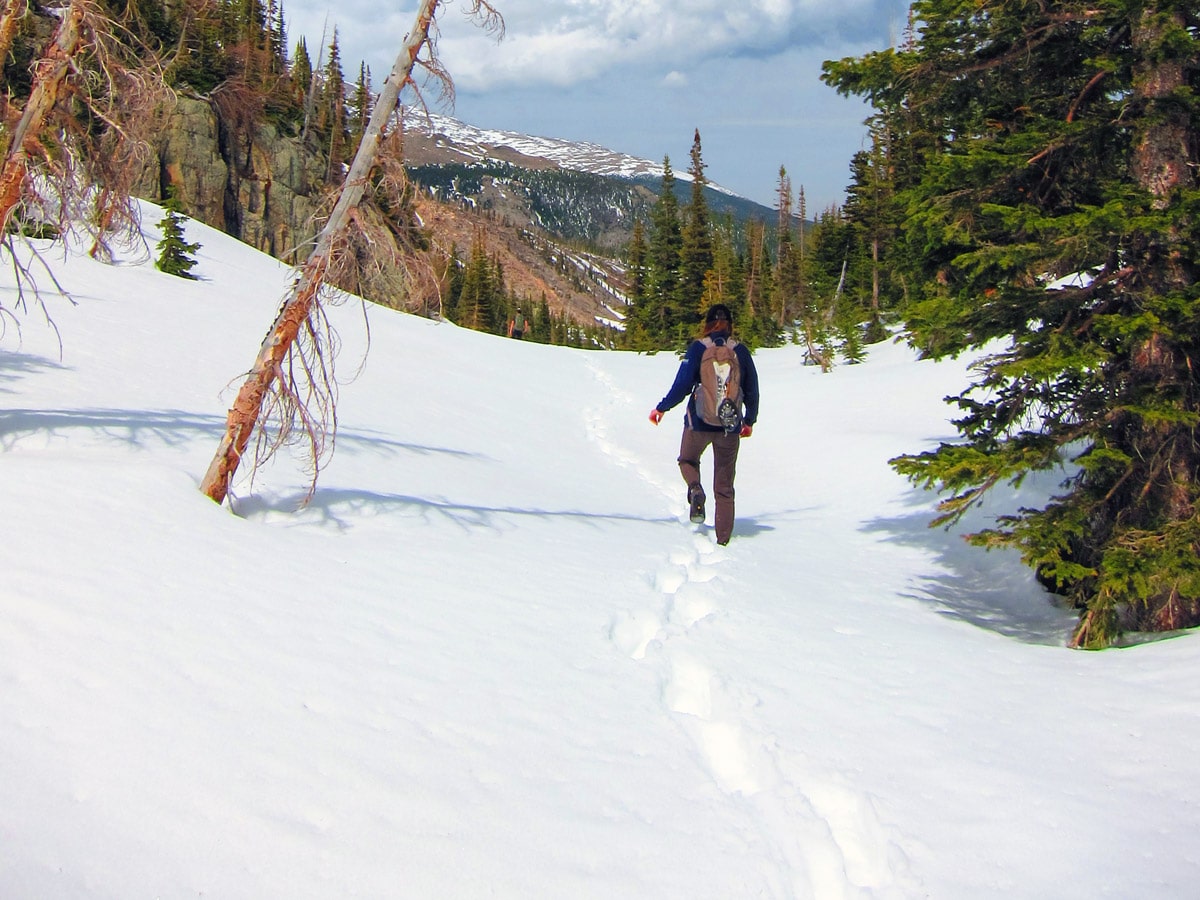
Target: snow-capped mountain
column 460, row 142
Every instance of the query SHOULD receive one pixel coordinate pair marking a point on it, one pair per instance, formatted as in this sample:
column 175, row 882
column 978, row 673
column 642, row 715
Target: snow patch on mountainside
column 476, row 143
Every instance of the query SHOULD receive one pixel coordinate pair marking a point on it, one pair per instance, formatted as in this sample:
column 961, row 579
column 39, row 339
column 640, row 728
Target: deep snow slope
column 491, row 657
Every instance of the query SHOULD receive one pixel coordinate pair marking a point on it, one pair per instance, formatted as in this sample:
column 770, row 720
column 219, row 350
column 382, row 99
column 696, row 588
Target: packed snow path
column 824, row 839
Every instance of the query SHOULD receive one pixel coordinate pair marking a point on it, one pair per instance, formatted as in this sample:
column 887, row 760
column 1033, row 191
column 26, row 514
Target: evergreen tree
column 637, row 264
column 478, row 299
column 662, row 317
column 502, row 300
column 146, row 20
column 331, row 115
column 174, row 253
column 759, row 287
column 1049, row 176
column 301, row 72
column 872, row 211
column 797, row 307
column 360, row 107
column 637, row 334
column 541, row 321
column 201, row 60
column 284, row 105
column 696, row 247
column 277, row 38
column 722, row 280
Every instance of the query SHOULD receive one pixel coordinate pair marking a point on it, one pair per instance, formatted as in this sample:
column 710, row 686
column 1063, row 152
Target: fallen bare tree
column 290, row 392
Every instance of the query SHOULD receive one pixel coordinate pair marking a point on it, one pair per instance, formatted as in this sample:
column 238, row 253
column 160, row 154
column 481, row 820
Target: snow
column 479, row 144
column 493, row 659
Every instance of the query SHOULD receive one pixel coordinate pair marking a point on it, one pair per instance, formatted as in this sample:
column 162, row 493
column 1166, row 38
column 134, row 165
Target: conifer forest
column 1030, row 192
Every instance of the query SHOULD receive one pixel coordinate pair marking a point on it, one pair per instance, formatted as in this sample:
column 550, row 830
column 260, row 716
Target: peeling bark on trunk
column 10, row 18
column 244, row 414
column 50, row 73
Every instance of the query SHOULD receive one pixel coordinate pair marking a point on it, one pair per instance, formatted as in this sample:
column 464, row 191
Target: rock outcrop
column 265, row 190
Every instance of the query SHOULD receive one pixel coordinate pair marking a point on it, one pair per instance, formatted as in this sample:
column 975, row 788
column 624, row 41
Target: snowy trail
column 824, row 838
column 614, row 413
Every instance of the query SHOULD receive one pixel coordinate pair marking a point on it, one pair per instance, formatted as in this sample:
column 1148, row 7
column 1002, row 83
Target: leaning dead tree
column 71, row 153
column 291, row 378
column 81, row 138
column 49, row 83
column 10, row 20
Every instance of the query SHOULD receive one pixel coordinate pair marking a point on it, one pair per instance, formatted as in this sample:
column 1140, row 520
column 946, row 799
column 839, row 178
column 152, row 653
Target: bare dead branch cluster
column 384, row 253
column 300, row 404
column 482, row 14
column 82, row 137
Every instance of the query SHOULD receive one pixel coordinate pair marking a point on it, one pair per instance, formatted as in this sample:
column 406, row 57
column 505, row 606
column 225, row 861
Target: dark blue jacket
column 688, row 377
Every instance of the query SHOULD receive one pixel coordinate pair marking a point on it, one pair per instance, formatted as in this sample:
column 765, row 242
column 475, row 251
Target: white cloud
column 640, row 75
column 541, row 58
column 566, row 42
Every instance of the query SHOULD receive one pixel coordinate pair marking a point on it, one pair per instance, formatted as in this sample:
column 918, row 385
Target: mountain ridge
column 557, row 213
column 439, row 148
column 478, row 144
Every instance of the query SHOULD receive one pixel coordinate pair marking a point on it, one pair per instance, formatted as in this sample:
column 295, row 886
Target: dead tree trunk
column 247, row 407
column 49, row 76
column 10, row 19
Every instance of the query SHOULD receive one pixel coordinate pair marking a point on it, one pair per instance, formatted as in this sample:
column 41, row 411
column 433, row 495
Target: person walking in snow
column 708, row 420
column 516, row 326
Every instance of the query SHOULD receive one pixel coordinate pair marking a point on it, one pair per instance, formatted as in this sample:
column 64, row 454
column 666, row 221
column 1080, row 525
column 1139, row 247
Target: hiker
column 516, row 326
column 723, row 433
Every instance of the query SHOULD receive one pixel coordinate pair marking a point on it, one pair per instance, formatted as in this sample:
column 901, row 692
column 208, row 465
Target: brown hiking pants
column 725, row 452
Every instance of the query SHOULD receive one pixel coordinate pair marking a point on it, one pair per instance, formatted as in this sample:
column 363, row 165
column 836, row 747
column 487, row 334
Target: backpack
column 717, row 398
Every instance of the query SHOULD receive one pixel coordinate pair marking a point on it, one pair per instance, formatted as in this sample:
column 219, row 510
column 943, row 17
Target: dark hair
column 718, row 312
column 718, row 318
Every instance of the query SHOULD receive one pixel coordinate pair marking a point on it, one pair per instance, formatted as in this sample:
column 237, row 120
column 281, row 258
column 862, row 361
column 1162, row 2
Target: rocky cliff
column 265, row 191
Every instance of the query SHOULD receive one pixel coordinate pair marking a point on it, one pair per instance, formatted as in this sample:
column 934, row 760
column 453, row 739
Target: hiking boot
column 696, row 504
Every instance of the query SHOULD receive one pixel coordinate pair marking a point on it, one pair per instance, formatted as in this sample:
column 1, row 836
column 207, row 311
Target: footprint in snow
column 826, row 835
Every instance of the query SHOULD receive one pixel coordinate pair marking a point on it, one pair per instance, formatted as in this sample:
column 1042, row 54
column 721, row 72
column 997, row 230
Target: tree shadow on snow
column 379, row 443
column 18, row 365
column 991, row 589
column 338, row 506
column 137, row 427
column 127, row 426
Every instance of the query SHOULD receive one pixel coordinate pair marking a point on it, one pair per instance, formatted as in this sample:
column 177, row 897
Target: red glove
column 746, row 431
column 656, row 415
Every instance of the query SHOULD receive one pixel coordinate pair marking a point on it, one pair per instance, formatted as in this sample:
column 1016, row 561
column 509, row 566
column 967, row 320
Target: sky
column 492, row 657
column 640, row 76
